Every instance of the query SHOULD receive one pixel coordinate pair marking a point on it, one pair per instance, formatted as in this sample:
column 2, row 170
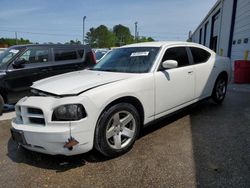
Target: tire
column 117, row 130
column 220, row 90
column 1, row 104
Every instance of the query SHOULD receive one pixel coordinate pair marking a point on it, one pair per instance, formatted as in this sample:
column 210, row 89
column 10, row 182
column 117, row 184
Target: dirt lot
column 203, row 146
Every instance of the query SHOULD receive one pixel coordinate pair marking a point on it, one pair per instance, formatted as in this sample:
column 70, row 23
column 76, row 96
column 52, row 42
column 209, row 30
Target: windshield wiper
column 100, row 69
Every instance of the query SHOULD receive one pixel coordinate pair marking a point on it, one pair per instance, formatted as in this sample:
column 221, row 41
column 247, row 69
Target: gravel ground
column 203, row 146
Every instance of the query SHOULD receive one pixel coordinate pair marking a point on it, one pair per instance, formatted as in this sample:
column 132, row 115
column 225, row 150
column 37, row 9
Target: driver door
column 174, row 87
column 19, row 79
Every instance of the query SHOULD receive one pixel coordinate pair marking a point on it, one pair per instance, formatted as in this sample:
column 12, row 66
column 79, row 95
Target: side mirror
column 19, row 63
column 170, row 64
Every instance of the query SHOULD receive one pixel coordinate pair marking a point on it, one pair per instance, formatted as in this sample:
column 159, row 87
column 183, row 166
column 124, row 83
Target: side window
column 199, row 55
column 35, row 56
column 64, row 54
column 178, row 54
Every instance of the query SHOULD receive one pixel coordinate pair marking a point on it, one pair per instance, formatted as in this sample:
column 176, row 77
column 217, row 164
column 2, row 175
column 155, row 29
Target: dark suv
column 20, row 66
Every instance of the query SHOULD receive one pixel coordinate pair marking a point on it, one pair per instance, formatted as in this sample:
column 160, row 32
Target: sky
column 62, row 20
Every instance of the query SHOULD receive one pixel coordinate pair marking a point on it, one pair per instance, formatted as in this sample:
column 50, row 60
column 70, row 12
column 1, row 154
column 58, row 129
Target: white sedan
column 106, row 107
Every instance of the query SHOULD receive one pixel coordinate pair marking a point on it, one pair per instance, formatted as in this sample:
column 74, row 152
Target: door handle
column 190, row 72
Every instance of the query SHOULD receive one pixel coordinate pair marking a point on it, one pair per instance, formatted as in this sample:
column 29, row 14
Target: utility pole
column 136, row 33
column 16, row 38
column 83, row 29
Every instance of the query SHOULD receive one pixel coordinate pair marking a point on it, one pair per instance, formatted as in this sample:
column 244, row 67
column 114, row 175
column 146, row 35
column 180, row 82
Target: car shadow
column 59, row 163
column 220, row 141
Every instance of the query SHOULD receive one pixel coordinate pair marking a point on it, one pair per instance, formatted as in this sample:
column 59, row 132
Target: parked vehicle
column 20, row 66
column 106, row 107
column 99, row 53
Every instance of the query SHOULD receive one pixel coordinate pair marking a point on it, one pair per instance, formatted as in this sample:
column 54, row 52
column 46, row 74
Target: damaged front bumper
column 51, row 142
column 33, row 128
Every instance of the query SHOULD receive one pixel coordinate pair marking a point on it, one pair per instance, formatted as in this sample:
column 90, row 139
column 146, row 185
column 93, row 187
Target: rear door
column 67, row 59
column 18, row 80
column 203, row 66
column 174, row 87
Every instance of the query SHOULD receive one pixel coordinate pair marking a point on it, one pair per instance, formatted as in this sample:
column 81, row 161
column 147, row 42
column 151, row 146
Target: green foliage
column 145, row 39
column 102, row 37
column 123, row 35
column 73, row 42
column 11, row 41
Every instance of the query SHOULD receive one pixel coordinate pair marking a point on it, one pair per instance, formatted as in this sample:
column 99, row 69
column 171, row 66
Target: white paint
column 160, row 93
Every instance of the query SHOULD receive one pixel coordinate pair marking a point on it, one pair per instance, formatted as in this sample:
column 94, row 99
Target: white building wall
column 225, row 27
column 196, row 34
column 241, row 31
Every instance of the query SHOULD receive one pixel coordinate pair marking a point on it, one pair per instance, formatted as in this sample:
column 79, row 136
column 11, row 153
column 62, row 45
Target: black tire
column 1, row 104
column 112, row 137
column 220, row 90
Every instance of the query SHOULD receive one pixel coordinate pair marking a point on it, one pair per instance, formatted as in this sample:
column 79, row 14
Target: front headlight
column 69, row 112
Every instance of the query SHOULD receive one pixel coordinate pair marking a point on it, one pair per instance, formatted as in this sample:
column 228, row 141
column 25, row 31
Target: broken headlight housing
column 69, row 112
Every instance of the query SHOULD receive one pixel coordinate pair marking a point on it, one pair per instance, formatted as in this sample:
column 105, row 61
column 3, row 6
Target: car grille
column 30, row 115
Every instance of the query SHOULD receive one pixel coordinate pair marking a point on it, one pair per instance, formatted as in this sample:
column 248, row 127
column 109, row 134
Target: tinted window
column 200, row 55
column 178, row 54
column 65, row 54
column 35, row 55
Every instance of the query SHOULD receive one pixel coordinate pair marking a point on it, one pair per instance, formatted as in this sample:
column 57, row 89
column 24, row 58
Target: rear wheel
column 220, row 89
column 117, row 130
column 1, row 104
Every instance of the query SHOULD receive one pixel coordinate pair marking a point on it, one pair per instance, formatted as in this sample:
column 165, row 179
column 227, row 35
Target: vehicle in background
column 21, row 65
column 2, row 50
column 129, row 88
column 99, row 53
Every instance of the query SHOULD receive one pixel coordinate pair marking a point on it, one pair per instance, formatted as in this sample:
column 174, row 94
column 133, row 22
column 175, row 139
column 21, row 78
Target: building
column 226, row 29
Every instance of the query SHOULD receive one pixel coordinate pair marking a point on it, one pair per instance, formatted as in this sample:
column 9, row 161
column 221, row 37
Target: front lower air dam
column 71, row 141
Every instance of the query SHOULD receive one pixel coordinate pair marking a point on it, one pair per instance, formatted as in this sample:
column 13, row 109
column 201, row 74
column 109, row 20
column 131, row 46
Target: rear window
column 200, row 55
column 65, row 54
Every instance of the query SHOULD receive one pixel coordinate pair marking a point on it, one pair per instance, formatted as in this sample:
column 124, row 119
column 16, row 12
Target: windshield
column 8, row 54
column 129, row 60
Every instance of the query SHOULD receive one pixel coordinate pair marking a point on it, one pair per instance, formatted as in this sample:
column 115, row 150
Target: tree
column 73, row 42
column 145, row 39
column 12, row 41
column 123, row 35
column 100, row 37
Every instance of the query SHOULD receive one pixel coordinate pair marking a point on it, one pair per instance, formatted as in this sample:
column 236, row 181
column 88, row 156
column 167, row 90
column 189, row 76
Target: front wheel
column 220, row 89
column 117, row 130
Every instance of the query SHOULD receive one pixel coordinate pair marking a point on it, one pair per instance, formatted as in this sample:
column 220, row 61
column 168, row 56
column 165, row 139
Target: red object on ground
column 242, row 72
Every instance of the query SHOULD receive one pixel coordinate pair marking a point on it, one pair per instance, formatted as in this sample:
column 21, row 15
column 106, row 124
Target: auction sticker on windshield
column 14, row 51
column 137, row 54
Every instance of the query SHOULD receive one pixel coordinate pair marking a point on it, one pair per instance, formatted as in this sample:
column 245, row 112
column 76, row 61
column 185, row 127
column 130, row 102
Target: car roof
column 160, row 44
column 50, row 45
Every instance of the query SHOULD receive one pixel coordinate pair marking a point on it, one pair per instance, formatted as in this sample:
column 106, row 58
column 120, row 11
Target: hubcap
column 221, row 89
column 120, row 130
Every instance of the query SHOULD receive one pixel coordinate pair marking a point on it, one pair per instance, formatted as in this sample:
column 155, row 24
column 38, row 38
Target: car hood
column 75, row 83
